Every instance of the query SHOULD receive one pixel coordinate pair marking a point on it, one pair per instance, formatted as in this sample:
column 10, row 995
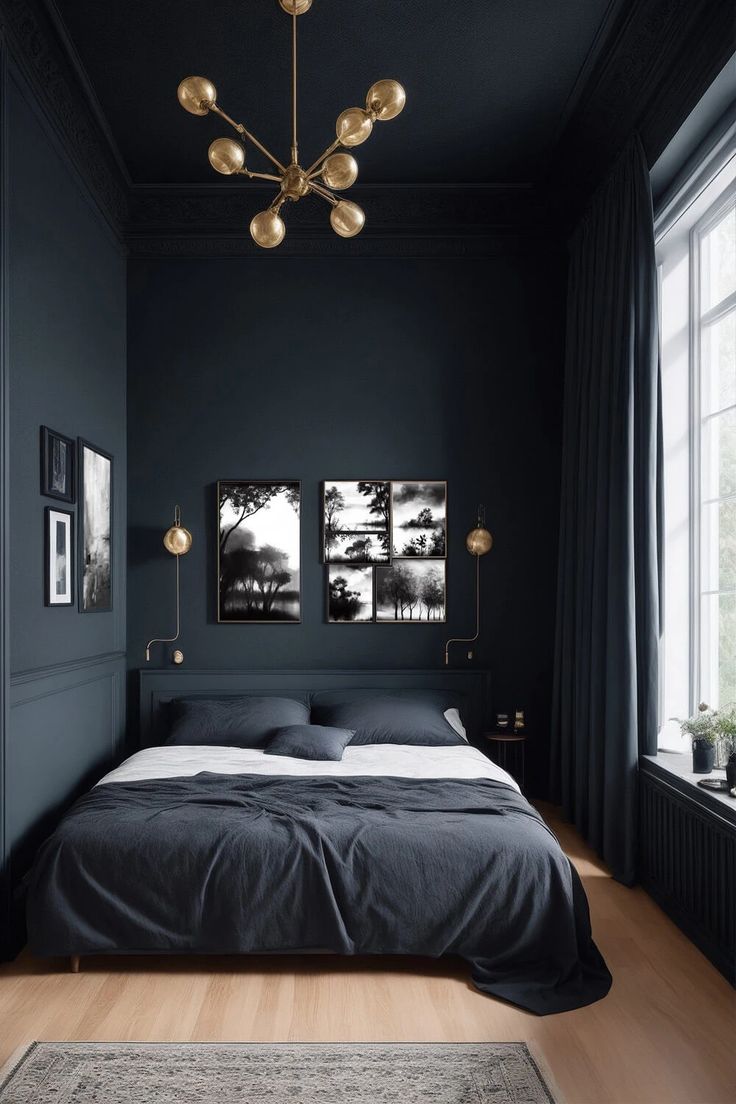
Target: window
column 696, row 246
column 714, row 262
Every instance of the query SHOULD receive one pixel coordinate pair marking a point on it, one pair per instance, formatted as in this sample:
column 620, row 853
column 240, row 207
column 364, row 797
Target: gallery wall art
column 259, row 551
column 57, row 465
column 59, row 557
column 384, row 543
column 95, row 528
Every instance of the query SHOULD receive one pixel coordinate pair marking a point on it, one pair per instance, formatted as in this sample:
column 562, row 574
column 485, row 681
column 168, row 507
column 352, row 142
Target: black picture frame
column 286, row 488
column 424, row 498
column 95, row 550
column 58, row 465
column 354, row 530
column 420, row 568
column 51, row 599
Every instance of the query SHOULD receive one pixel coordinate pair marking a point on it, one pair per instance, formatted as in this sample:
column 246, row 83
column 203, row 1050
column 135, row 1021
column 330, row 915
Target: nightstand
column 507, row 750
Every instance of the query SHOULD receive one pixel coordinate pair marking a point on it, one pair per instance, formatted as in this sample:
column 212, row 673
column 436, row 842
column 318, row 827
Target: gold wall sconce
column 177, row 541
column 478, row 542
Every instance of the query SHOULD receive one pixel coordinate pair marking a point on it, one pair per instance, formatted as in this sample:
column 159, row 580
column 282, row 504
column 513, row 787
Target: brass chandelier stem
column 294, row 142
column 258, row 176
column 247, row 134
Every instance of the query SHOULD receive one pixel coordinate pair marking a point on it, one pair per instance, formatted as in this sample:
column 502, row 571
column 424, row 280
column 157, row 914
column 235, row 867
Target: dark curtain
column 609, row 594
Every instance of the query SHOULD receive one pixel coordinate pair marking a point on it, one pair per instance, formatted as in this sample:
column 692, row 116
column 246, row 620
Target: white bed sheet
column 395, row 760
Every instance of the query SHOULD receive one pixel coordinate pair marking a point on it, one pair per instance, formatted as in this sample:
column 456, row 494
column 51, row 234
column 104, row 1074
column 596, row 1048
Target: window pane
column 718, row 364
column 719, row 455
column 718, row 649
column 718, row 546
column 718, row 248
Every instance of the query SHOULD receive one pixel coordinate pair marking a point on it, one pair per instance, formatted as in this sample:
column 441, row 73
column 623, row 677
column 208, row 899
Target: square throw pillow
column 310, row 742
column 389, row 716
column 246, row 722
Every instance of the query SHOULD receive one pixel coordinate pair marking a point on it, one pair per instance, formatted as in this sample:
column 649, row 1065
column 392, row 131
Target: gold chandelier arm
column 325, row 193
column 258, row 176
column 247, row 134
column 294, row 142
column 314, row 170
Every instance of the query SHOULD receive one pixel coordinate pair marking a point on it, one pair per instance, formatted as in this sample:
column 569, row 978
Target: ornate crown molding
column 46, row 65
column 658, row 60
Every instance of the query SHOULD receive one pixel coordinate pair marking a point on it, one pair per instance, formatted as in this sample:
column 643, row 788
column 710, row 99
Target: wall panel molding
column 33, row 674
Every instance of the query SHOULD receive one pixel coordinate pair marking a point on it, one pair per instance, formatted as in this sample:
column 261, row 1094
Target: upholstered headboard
column 159, row 687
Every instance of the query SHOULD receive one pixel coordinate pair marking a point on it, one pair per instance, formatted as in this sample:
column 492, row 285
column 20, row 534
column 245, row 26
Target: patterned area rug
column 275, row 1073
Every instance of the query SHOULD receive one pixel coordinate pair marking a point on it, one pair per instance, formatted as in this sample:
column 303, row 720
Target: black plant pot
column 731, row 772
column 704, row 756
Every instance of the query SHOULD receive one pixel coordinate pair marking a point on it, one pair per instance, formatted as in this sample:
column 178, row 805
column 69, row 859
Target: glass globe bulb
column 226, row 156
column 386, row 99
column 267, row 229
column 347, row 218
column 478, row 542
column 196, row 95
column 301, row 6
column 354, row 126
column 340, row 171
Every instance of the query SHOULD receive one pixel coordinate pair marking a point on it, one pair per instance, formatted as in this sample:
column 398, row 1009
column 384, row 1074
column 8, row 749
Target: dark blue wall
column 351, row 368
column 66, row 363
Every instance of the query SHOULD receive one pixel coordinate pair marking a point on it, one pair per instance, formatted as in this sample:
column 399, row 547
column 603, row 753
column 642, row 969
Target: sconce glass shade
column 177, row 539
column 478, row 542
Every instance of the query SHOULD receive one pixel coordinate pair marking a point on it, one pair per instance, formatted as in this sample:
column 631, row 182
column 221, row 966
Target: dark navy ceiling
column 490, row 83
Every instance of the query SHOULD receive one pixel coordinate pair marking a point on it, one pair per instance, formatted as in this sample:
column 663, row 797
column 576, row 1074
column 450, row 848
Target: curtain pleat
column 609, row 596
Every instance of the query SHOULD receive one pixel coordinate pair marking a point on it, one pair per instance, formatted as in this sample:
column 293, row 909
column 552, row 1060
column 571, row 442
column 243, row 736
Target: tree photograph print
column 411, row 591
column 419, row 519
column 356, row 520
column 259, row 551
column 349, row 594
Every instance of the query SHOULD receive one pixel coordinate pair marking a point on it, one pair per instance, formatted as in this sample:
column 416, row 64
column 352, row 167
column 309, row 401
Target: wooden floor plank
column 666, row 1034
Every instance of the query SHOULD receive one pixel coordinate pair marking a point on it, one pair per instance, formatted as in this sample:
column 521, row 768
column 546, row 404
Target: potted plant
column 726, row 735
column 703, row 728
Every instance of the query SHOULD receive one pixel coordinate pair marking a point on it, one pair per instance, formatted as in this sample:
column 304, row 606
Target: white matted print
column 419, row 519
column 356, row 518
column 95, row 537
column 349, row 594
column 59, row 567
column 259, row 551
column 411, row 591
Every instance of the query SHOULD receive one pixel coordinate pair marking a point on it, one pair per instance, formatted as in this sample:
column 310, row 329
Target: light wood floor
column 666, row 1033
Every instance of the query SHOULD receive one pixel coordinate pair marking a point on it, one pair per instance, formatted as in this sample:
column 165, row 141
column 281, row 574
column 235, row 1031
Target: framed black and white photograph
column 419, row 519
column 95, row 529
column 59, row 557
column 350, row 594
column 57, row 465
column 411, row 591
column 356, row 521
column 258, row 552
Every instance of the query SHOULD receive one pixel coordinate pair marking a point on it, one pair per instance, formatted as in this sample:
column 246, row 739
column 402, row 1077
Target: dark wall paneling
column 67, row 725
column 398, row 367
column 688, row 865
column 64, row 335
column 4, row 504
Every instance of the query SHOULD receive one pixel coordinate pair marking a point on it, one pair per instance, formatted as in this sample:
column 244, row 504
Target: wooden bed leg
column 74, row 964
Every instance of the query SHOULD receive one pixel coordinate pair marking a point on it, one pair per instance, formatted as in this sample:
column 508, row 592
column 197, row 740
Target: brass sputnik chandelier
column 331, row 172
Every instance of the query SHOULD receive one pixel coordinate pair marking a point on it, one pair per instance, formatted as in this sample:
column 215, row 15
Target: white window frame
column 702, row 191
column 697, row 322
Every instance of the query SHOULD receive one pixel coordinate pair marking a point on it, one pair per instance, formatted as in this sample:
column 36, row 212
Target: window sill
column 675, row 770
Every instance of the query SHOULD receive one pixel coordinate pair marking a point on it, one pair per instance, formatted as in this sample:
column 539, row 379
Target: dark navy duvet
column 245, row 863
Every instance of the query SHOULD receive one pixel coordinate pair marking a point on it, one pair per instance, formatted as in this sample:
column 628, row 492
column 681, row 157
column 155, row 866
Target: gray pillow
column 389, row 716
column 310, row 742
column 233, row 722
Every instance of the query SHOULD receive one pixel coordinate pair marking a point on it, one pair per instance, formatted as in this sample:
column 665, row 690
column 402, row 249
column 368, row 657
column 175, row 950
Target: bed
column 393, row 849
